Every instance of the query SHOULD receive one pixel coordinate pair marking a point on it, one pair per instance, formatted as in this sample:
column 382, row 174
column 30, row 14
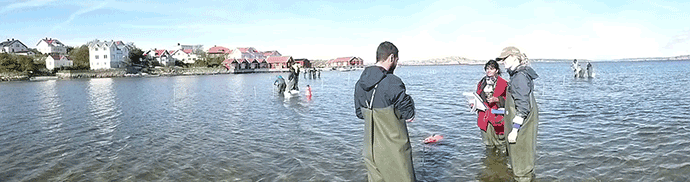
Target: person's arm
column 403, row 102
column 358, row 105
column 520, row 91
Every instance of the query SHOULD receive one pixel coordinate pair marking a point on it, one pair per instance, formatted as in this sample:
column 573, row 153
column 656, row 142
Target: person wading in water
column 380, row 100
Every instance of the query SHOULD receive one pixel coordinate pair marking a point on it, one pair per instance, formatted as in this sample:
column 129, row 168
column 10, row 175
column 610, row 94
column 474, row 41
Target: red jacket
column 486, row 117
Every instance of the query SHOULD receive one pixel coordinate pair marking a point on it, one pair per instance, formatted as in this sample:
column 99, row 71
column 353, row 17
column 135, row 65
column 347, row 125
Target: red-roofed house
column 219, row 51
column 230, row 64
column 243, row 64
column 346, row 62
column 161, row 55
column 51, row 46
column 55, row 61
column 187, row 56
column 277, row 62
column 304, row 62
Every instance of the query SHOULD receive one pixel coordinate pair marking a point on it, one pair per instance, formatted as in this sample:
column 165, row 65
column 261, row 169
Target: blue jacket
column 521, row 85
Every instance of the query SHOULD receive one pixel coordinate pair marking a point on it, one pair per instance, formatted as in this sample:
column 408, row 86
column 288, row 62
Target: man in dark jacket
column 522, row 114
column 380, row 100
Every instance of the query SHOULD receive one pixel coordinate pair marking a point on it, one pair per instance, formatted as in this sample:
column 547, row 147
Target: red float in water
column 433, row 139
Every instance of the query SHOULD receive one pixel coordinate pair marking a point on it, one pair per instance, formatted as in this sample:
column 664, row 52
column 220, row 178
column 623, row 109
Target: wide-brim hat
column 510, row 50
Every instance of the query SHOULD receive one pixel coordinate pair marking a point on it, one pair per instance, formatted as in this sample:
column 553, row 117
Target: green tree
column 8, row 63
column 136, row 55
column 26, row 64
column 80, row 57
column 17, row 63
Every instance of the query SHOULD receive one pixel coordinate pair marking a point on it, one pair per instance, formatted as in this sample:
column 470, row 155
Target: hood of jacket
column 526, row 69
column 371, row 76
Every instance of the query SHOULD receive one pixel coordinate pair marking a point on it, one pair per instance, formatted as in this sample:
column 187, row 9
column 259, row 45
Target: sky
column 595, row 30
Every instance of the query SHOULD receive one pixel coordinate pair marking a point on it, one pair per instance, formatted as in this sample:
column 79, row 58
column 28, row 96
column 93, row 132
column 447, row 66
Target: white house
column 108, row 54
column 185, row 55
column 55, row 61
column 246, row 53
column 15, row 47
column 160, row 55
column 51, row 46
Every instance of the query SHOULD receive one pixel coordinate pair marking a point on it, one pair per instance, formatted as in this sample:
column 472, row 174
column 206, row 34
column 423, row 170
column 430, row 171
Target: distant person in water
column 522, row 114
column 294, row 76
column 492, row 90
column 280, row 83
column 590, row 70
column 380, row 100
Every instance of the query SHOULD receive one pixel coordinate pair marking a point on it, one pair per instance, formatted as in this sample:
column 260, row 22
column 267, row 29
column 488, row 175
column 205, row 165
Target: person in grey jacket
column 522, row 114
column 380, row 100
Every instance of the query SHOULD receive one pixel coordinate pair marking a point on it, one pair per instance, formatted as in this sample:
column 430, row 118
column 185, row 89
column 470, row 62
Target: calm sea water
column 627, row 124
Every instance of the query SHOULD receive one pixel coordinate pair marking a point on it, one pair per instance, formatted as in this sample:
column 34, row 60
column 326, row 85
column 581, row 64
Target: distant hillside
column 682, row 57
column 453, row 60
column 457, row 60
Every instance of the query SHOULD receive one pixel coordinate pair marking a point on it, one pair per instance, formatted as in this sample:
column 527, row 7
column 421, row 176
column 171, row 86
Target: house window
column 96, row 49
column 96, row 56
column 105, row 56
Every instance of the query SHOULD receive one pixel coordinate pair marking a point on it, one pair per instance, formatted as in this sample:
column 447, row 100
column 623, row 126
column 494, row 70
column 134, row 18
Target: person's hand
column 471, row 105
column 410, row 120
column 512, row 136
column 493, row 99
column 517, row 123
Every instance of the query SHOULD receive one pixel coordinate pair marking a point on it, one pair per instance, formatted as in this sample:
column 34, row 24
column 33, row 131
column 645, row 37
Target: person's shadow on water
column 495, row 166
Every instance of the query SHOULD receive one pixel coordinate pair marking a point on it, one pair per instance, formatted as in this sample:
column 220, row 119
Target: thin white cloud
column 670, row 8
column 78, row 13
column 27, row 4
column 678, row 39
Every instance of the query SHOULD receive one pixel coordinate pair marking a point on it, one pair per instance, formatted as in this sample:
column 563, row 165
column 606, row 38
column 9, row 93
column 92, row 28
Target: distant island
column 458, row 60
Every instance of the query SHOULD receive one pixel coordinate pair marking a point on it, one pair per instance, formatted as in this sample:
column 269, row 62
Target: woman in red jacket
column 492, row 90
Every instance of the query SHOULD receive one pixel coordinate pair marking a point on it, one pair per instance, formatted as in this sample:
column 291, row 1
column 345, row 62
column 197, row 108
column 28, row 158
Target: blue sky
column 329, row 29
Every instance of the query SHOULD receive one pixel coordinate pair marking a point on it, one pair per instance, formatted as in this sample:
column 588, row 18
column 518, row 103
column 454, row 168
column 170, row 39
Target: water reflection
column 50, row 108
column 104, row 116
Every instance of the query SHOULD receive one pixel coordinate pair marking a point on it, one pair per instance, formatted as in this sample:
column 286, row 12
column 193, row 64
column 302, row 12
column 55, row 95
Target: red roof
column 159, row 52
column 219, row 50
column 188, row 51
column 278, row 59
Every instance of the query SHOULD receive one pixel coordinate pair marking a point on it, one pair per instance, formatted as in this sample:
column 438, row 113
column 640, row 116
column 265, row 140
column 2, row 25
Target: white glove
column 517, row 123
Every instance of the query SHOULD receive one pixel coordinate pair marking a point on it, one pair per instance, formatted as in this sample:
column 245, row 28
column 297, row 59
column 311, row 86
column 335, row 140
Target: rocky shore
column 13, row 76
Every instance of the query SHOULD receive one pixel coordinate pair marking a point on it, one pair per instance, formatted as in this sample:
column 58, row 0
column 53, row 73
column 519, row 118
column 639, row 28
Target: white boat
column 291, row 93
column 345, row 69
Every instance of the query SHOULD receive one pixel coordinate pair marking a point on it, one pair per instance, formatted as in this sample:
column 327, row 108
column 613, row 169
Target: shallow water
column 627, row 124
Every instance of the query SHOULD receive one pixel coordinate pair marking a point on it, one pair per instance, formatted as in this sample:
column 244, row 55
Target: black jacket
column 390, row 91
column 521, row 85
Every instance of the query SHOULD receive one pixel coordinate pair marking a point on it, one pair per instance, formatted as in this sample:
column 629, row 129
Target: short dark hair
column 492, row 63
column 386, row 49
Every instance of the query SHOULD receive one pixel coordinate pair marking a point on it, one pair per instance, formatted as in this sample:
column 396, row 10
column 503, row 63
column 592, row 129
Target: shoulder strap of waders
column 371, row 103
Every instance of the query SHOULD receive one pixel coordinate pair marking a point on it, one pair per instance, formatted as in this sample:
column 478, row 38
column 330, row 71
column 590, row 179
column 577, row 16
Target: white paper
column 473, row 98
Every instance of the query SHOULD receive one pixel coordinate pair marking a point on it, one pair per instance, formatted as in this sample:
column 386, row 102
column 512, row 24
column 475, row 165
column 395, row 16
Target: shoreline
column 121, row 73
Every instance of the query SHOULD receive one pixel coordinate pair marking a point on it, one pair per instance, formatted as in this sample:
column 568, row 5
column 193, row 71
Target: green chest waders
column 387, row 151
column 523, row 152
